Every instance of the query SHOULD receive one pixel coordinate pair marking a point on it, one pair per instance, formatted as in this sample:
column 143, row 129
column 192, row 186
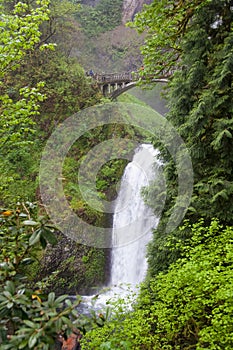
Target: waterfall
column 133, row 220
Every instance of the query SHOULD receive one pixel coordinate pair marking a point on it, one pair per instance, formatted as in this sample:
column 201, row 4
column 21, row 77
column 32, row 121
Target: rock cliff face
column 131, row 7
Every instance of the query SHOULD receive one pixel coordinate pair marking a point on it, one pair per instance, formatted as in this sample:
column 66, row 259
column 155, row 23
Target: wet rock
column 131, row 7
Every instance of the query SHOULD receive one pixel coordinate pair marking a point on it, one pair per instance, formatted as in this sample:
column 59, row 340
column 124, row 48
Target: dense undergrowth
column 188, row 307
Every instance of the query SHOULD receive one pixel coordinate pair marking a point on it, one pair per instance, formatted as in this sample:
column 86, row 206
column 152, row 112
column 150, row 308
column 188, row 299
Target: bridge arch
column 114, row 84
column 131, row 85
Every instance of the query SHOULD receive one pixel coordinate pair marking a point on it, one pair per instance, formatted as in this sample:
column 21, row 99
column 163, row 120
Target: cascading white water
column 133, row 220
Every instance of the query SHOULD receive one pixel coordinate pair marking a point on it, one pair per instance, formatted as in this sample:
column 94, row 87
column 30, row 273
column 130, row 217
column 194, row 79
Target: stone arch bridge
column 114, row 84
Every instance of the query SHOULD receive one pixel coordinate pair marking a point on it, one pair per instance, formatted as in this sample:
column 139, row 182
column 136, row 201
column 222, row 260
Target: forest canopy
column 195, row 38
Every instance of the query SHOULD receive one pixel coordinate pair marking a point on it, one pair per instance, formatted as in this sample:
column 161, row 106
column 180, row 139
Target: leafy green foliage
column 39, row 89
column 19, row 34
column 189, row 307
column 196, row 40
column 165, row 22
column 38, row 321
column 99, row 327
column 20, row 31
column 15, row 246
column 20, row 23
column 29, row 319
column 16, row 116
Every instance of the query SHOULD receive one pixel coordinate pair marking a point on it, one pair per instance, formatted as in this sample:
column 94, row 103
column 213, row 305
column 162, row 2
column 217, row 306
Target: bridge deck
column 115, row 77
column 113, row 84
column 111, row 78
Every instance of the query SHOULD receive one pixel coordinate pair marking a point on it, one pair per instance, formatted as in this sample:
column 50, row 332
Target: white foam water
column 133, row 222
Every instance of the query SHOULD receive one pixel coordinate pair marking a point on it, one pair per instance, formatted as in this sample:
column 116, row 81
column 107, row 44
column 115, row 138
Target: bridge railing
column 113, row 77
column 130, row 76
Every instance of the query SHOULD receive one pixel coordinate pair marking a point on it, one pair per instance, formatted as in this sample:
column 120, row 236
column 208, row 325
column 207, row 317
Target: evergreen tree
column 196, row 39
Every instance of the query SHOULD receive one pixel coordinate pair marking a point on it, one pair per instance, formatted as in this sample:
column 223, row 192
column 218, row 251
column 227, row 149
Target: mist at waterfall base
column 133, row 222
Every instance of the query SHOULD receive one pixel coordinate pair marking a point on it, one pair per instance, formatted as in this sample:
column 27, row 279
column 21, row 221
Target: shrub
column 190, row 306
column 29, row 319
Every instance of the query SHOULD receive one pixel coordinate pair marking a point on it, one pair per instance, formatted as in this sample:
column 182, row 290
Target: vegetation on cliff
column 199, row 47
column 185, row 303
column 106, row 15
column 40, row 87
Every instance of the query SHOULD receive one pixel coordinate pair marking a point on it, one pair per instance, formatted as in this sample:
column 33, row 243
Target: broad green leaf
column 49, row 236
column 23, row 344
column 30, row 223
column 43, row 242
column 10, row 305
column 23, row 215
column 10, row 287
column 35, row 237
column 30, row 324
column 27, row 261
column 32, row 341
column 51, row 297
column 61, row 298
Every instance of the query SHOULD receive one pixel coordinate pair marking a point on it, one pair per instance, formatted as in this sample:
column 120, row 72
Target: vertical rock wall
column 131, row 7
